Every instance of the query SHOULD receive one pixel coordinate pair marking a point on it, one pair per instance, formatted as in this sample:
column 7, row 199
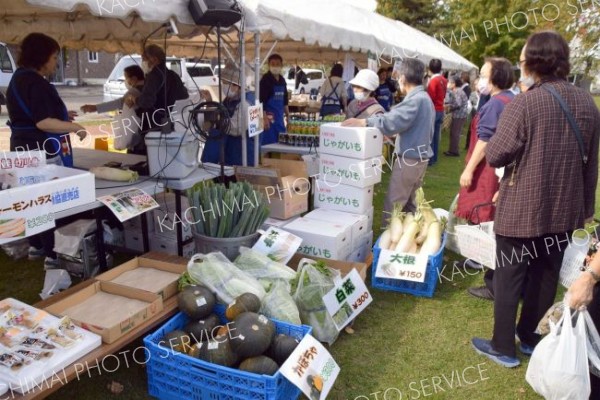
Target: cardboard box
column 168, row 245
column 67, row 187
column 349, row 171
column 342, row 197
column 343, row 266
column 321, row 238
column 357, row 143
column 363, row 248
column 277, row 223
column 356, row 222
column 370, row 212
column 127, row 322
column 165, row 222
column 284, row 183
column 134, row 240
column 165, row 291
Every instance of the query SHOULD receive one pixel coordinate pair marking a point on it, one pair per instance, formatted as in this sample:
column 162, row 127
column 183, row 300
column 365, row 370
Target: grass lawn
column 403, row 344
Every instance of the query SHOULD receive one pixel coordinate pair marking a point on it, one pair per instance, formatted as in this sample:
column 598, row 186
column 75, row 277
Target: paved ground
column 74, row 98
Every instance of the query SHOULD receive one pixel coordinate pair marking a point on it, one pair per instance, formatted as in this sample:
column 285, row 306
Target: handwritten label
column 403, row 266
column 347, row 299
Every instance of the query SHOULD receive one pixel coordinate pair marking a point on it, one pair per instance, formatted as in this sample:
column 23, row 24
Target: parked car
column 315, row 77
column 195, row 76
column 7, row 67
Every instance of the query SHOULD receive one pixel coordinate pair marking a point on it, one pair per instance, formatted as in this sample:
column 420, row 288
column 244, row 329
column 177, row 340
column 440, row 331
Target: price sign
column 255, row 119
column 311, row 368
column 403, row 266
column 278, row 245
column 347, row 299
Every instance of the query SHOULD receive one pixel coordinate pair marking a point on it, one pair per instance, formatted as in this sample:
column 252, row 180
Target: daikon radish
column 396, row 227
column 114, row 174
column 413, row 248
column 384, row 240
column 408, row 237
column 429, row 216
column 433, row 242
column 407, row 220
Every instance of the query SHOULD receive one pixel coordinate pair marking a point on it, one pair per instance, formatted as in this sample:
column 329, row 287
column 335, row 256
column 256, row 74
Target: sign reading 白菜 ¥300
column 311, row 368
column 403, row 266
column 347, row 299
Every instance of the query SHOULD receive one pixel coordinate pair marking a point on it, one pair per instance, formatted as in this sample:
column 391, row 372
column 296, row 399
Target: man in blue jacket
column 413, row 120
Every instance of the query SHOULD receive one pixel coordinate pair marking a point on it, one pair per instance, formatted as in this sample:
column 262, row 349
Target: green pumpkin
column 281, row 348
column 251, row 334
column 202, row 330
column 217, row 352
column 177, row 340
column 247, row 302
column 196, row 301
column 261, row 365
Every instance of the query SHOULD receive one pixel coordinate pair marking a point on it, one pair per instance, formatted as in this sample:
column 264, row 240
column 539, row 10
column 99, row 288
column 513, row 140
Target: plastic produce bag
column 68, row 239
column 593, row 344
column 55, row 281
column 16, row 249
column 262, row 268
column 552, row 316
column 124, row 133
column 558, row 369
column 279, row 304
column 220, row 275
column 315, row 280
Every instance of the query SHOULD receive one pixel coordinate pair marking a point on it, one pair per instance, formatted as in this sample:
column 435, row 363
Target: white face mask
column 275, row 70
column 484, row 86
column 128, row 85
column 145, row 67
column 526, row 80
column 360, row 95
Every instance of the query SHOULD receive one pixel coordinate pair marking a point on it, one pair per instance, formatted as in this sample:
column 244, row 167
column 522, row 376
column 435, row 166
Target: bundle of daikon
column 419, row 233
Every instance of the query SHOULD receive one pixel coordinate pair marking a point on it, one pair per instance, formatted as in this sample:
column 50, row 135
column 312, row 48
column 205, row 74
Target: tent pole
column 243, row 96
column 257, row 63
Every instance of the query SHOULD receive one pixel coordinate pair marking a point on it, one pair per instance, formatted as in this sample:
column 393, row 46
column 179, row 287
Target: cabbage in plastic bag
column 279, row 304
column 221, row 276
column 262, row 268
column 314, row 280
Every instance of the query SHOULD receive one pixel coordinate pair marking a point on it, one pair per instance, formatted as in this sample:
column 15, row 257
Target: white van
column 195, row 76
column 7, row 67
column 316, row 79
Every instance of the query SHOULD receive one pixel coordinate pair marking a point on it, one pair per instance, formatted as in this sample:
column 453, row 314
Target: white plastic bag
column 55, row 281
column 124, row 131
column 262, row 268
column 558, row 369
column 68, row 239
column 279, row 304
column 593, row 344
column 222, row 277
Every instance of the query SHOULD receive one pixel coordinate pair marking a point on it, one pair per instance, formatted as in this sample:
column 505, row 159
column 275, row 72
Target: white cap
column 367, row 79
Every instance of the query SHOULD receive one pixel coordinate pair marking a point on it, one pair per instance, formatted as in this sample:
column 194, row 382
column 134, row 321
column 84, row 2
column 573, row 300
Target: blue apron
column 384, row 96
column 233, row 144
column 60, row 142
column 275, row 105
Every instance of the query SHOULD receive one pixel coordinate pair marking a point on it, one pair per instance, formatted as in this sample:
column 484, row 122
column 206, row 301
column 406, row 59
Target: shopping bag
column 558, row 369
column 125, row 127
column 593, row 344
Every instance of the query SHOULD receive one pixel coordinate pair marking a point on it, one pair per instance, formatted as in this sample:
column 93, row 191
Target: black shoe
column 473, row 265
column 450, row 154
column 481, row 292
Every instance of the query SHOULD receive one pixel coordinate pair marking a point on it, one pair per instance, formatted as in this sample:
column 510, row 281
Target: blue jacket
column 413, row 120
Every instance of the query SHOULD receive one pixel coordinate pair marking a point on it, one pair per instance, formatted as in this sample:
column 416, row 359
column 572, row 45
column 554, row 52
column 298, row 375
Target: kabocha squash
column 251, row 334
column 262, row 365
column 217, row 352
column 281, row 348
column 201, row 330
column 196, row 301
column 177, row 340
column 247, row 302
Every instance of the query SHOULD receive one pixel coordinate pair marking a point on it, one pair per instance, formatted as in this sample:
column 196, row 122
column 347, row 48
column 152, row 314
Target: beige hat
column 230, row 74
column 367, row 79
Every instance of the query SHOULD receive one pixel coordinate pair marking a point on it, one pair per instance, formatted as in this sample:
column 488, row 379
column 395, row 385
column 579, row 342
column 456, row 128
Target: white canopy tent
column 310, row 30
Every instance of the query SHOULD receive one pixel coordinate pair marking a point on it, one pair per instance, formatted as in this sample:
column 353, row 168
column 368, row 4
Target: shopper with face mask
column 274, row 97
column 134, row 82
column 238, row 114
column 364, row 104
column 162, row 88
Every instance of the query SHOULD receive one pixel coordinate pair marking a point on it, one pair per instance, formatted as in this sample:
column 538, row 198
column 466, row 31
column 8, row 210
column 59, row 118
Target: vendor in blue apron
column 274, row 97
column 238, row 114
column 39, row 120
column 334, row 99
column 383, row 93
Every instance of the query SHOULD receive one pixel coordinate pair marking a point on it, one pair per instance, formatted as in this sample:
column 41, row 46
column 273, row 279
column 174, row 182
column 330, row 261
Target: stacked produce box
column 351, row 163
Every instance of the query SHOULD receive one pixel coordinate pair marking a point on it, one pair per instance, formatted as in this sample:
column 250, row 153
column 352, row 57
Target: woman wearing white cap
column 364, row 104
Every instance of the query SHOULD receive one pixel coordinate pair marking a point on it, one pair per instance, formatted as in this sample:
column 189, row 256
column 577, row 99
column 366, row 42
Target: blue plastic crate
column 424, row 289
column 177, row 376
